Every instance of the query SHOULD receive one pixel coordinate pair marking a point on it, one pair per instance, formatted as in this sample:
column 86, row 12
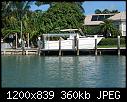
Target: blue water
column 66, row 71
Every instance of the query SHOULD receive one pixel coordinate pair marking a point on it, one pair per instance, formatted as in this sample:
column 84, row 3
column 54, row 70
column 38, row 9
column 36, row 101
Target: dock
column 48, row 52
column 100, row 51
column 32, row 51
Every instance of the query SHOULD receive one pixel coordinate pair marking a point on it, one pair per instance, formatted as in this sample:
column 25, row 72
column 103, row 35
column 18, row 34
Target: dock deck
column 34, row 51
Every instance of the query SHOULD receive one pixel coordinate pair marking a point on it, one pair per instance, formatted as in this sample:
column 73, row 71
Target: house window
column 101, row 18
column 124, row 33
column 94, row 18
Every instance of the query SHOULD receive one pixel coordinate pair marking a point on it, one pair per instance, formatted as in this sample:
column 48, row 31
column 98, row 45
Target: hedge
column 111, row 41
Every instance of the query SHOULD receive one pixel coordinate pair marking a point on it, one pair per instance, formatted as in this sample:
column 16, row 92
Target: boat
column 84, row 42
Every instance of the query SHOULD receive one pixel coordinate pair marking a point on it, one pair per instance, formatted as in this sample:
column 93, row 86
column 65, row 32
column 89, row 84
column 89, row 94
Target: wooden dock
column 46, row 52
column 19, row 51
column 100, row 51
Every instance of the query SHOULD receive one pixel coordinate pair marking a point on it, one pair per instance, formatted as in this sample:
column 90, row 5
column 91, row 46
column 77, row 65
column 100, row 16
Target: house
column 118, row 19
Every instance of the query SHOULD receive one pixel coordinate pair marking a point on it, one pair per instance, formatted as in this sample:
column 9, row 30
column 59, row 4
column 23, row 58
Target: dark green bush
column 111, row 41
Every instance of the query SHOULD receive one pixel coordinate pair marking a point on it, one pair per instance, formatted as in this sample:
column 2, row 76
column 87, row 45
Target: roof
column 88, row 21
column 120, row 16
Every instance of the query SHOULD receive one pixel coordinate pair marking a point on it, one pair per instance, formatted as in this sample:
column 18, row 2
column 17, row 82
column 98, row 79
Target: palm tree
column 105, row 11
column 107, row 28
column 97, row 11
column 16, row 11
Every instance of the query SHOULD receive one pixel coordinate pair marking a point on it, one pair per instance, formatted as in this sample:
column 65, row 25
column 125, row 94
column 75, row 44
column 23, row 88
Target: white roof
column 120, row 16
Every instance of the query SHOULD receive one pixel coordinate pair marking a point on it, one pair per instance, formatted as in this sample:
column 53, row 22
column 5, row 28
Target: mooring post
column 77, row 46
column 60, row 46
column 16, row 40
column 118, row 45
column 39, row 45
column 28, row 41
column 23, row 47
column 95, row 36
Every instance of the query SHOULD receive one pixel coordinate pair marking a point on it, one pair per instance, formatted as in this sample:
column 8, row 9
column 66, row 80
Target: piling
column 39, row 51
column 60, row 46
column 118, row 44
column 16, row 40
column 77, row 46
column 95, row 44
column 26, row 52
column 28, row 41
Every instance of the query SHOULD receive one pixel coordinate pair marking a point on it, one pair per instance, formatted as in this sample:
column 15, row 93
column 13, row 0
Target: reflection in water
column 69, row 71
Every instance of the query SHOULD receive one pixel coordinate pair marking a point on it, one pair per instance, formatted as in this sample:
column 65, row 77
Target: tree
column 108, row 28
column 105, row 11
column 114, row 11
column 97, row 11
column 14, row 17
column 62, row 15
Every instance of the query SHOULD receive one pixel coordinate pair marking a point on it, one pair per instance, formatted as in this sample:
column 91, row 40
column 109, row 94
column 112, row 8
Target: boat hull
column 83, row 43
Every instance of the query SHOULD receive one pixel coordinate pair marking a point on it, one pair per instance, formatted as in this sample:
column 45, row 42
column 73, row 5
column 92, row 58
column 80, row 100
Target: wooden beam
column 77, row 46
column 60, row 46
column 16, row 40
column 118, row 44
column 95, row 44
column 28, row 41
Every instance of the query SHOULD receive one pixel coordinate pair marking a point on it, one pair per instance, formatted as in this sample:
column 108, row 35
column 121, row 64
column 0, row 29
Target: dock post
column 23, row 47
column 60, row 46
column 26, row 52
column 16, row 40
column 118, row 45
column 28, row 41
column 38, row 51
column 39, row 45
column 77, row 46
column 95, row 44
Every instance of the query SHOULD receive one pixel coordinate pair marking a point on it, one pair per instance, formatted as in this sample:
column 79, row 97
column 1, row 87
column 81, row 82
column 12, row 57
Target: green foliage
column 105, row 11
column 107, row 28
column 91, row 30
column 97, row 11
column 62, row 16
column 111, row 41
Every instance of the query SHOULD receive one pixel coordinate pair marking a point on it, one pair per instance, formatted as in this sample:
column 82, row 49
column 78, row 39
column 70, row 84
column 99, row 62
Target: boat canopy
column 59, row 34
column 70, row 30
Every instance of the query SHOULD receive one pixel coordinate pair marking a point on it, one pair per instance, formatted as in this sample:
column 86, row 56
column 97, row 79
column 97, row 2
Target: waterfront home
column 119, row 20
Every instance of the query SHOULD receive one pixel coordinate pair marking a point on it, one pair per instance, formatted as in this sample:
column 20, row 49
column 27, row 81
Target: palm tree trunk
column 21, row 35
column 22, row 44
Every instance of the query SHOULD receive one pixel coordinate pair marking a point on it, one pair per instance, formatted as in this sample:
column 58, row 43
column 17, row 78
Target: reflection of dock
column 34, row 51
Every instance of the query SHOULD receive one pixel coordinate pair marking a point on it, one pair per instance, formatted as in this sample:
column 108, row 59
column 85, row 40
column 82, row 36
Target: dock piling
column 16, row 40
column 77, row 46
column 60, row 46
column 118, row 45
column 95, row 44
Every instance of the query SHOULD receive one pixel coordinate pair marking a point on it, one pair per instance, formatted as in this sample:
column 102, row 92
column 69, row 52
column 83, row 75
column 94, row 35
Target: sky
column 91, row 6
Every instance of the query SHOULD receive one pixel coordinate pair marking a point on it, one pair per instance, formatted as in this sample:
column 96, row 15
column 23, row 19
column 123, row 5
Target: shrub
column 111, row 41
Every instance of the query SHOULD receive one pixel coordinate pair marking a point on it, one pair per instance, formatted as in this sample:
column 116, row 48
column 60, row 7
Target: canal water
column 66, row 71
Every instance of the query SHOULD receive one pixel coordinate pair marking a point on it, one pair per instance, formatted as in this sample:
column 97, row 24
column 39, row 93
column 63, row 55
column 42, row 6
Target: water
column 69, row 71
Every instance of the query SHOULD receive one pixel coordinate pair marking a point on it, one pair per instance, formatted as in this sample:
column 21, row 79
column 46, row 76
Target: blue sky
column 91, row 6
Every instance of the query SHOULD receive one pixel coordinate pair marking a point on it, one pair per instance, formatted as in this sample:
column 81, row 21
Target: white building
column 119, row 20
